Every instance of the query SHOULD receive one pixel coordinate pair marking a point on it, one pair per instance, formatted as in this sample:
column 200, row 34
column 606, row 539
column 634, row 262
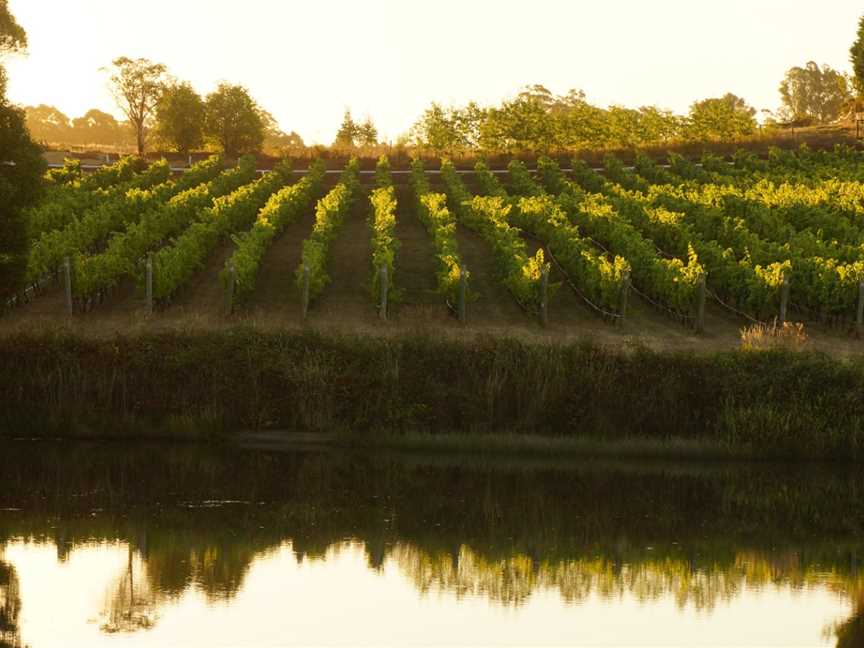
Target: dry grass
column 788, row 336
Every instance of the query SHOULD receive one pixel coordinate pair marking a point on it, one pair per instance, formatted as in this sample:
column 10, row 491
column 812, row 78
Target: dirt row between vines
column 347, row 304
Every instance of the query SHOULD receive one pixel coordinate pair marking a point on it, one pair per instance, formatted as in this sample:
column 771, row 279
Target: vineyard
column 681, row 250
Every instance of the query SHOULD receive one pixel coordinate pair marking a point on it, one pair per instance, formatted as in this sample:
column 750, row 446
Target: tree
column 436, row 130
column 47, row 124
column 21, row 169
column 523, row 124
column 137, row 85
column 367, row 134
column 180, row 116
column 348, row 132
column 13, row 38
column 539, row 94
column 10, row 606
column 466, row 122
column 812, row 93
column 233, row 120
column 275, row 139
column 96, row 127
column 856, row 55
column 721, row 118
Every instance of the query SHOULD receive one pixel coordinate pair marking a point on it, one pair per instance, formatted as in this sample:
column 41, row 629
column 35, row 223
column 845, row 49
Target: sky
column 307, row 61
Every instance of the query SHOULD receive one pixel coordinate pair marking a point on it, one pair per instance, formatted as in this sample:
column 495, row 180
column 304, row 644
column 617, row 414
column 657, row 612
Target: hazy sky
column 307, row 61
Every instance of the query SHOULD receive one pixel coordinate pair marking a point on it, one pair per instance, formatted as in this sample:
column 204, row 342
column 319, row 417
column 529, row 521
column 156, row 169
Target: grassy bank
column 201, row 384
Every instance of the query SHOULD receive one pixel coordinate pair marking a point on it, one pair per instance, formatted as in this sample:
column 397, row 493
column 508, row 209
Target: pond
column 161, row 545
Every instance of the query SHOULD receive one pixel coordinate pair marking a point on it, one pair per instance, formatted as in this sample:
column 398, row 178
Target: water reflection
column 10, row 606
column 131, row 603
column 183, row 527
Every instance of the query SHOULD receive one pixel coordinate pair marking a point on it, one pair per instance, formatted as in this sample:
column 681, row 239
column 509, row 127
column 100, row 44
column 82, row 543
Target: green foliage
column 856, row 57
column 283, row 208
column 448, row 130
column 441, row 226
column 538, row 121
column 382, row 223
column 347, row 133
column 367, row 134
column 69, row 172
column 599, row 277
column 724, row 118
column 813, row 93
column 276, row 141
column 94, row 274
column 180, row 117
column 233, row 120
column 329, row 216
column 111, row 210
column 20, row 181
column 550, row 175
column 488, row 216
column 137, row 85
column 95, row 128
column 175, row 264
column 20, row 187
column 107, row 176
column 351, row 134
column 13, row 38
column 383, row 177
column 671, row 282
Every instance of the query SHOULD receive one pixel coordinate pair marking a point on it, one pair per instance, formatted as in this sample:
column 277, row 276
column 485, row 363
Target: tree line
column 173, row 116
column 166, row 113
column 537, row 120
column 180, row 119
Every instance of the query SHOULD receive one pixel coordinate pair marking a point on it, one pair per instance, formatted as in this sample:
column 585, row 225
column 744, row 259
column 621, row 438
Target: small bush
column 788, row 336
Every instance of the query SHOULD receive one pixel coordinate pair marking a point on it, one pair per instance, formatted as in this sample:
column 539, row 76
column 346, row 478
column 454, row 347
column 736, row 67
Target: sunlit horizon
column 389, row 60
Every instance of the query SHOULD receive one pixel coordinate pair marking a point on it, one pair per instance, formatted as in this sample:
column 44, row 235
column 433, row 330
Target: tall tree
column 275, row 139
column 348, row 131
column 137, row 85
column 13, row 38
column 538, row 93
column 180, row 117
column 856, row 56
column 721, row 118
column 10, row 606
column 814, row 93
column 367, row 134
column 21, row 169
column 524, row 124
column 233, row 120
column 435, row 130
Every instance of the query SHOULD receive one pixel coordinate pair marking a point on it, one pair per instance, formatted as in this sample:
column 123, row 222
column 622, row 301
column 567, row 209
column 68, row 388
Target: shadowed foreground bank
column 196, row 385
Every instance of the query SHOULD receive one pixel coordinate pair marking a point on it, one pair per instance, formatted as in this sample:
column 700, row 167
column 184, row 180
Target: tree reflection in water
column 131, row 603
column 10, row 607
column 195, row 518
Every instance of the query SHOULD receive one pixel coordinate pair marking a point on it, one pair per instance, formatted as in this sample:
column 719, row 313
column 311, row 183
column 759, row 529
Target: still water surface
column 111, row 545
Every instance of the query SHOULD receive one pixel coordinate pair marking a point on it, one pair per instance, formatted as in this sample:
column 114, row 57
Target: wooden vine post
column 305, row 296
column 67, row 283
column 384, row 286
column 544, row 296
column 701, row 293
column 149, row 283
column 625, row 296
column 463, row 293
column 230, row 288
column 784, row 300
column 859, row 318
